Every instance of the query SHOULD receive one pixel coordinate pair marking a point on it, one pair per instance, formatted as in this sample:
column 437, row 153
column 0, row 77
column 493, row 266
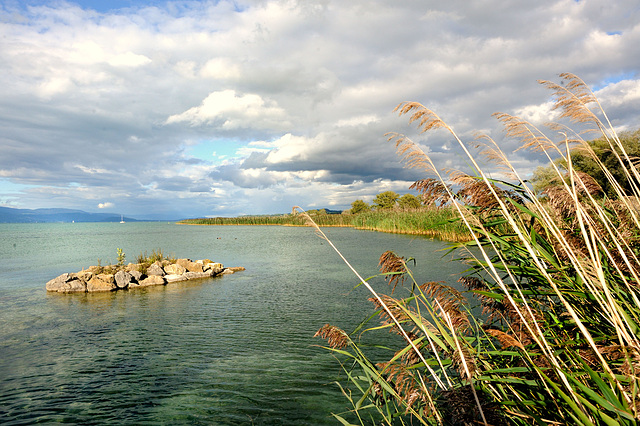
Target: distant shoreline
column 434, row 223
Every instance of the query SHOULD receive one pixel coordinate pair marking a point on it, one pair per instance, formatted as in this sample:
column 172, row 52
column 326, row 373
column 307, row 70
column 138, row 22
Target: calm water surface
column 236, row 349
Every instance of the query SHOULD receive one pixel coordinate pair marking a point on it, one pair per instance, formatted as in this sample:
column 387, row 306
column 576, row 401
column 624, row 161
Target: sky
column 177, row 109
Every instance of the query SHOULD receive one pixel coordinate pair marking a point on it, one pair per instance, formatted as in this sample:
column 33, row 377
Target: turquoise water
column 236, row 349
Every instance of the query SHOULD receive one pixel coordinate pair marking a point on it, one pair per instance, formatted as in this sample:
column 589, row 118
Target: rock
column 74, row 286
column 56, row 283
column 94, row 269
column 173, row 278
column 175, row 269
column 137, row 275
column 190, row 266
column 195, row 267
column 85, row 276
column 102, row 279
column 66, row 283
column 214, row 266
column 183, row 262
column 155, row 269
column 194, row 275
column 237, row 268
column 152, row 280
column 123, row 279
column 101, row 282
column 132, row 267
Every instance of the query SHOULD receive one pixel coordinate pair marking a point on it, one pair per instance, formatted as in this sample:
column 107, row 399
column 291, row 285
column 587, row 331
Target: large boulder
column 152, row 280
column 123, row 279
column 194, row 275
column 174, row 278
column 190, row 266
column 183, row 262
column 74, row 286
column 175, row 269
column 137, row 275
column 101, row 282
column 66, row 283
column 57, row 282
column 155, row 269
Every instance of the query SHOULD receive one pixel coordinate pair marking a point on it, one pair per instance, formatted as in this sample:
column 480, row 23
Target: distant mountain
column 11, row 215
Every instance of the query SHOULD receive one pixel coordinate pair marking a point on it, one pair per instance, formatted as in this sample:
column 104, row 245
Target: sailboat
column 121, row 218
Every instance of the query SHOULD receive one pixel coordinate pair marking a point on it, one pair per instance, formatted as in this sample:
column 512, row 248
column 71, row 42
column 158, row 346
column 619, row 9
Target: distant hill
column 12, row 215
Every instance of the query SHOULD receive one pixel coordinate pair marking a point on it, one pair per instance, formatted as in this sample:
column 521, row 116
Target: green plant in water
column 558, row 339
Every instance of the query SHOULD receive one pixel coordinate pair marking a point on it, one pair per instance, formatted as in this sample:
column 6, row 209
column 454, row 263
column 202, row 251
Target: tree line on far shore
column 384, row 201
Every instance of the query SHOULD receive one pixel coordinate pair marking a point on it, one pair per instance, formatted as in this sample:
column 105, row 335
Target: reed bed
column 245, row 220
column 431, row 222
column 438, row 223
column 558, row 339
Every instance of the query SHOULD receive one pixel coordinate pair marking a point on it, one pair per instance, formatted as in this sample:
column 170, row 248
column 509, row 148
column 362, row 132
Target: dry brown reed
column 557, row 280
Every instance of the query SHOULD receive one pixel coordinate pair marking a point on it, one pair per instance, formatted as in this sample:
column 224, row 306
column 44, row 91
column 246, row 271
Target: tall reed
column 558, row 339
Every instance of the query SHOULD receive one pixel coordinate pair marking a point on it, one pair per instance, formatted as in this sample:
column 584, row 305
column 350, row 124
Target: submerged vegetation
column 557, row 278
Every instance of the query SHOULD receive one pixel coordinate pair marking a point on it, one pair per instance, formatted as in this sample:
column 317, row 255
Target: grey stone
column 66, row 283
column 123, row 279
column 137, row 275
column 74, row 286
column 57, row 283
column 155, row 269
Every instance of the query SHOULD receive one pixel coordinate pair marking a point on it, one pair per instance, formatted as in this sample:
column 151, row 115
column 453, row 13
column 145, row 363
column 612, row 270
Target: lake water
column 236, row 349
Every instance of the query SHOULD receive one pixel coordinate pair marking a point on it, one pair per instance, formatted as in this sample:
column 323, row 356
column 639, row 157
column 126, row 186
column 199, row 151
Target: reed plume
column 554, row 339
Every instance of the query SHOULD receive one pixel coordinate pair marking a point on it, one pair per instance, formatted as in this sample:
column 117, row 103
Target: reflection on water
column 235, row 349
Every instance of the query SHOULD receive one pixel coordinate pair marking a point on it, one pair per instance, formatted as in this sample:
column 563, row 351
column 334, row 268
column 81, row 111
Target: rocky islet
column 126, row 277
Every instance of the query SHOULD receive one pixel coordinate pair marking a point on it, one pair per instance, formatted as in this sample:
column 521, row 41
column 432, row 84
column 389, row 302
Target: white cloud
column 106, row 205
column 232, row 111
column 128, row 59
column 220, row 68
column 295, row 97
column 537, row 114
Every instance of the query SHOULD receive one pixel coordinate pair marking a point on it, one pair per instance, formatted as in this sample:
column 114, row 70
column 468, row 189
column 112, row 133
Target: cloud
column 229, row 111
column 106, row 205
column 296, row 97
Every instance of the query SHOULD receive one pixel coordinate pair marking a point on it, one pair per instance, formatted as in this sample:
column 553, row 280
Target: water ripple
column 231, row 350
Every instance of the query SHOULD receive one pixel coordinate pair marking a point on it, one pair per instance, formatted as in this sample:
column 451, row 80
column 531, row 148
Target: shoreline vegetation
column 440, row 223
column 556, row 274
